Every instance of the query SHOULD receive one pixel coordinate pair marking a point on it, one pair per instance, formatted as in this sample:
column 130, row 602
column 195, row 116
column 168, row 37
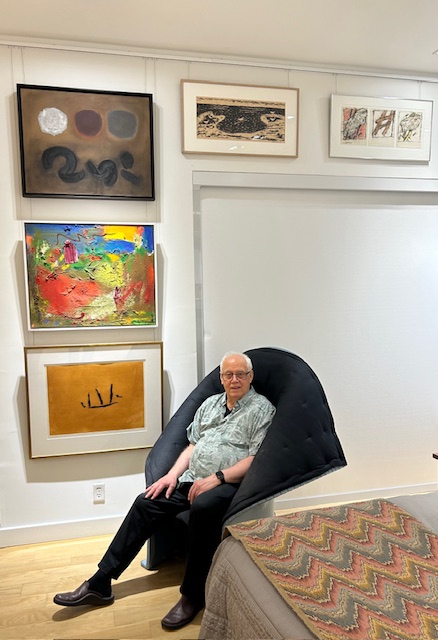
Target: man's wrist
column 220, row 476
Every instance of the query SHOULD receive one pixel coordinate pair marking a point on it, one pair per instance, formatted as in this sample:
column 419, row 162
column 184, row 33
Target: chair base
column 170, row 542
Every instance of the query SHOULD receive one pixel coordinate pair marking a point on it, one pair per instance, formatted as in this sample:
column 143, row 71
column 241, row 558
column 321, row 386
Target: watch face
column 220, row 476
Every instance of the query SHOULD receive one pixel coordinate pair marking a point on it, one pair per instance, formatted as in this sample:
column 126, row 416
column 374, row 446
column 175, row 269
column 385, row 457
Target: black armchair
column 301, row 443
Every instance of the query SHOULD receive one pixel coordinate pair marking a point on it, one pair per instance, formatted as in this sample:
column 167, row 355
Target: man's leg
column 205, row 529
column 142, row 520
column 144, row 517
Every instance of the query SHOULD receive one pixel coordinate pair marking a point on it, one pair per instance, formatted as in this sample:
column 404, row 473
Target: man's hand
column 166, row 482
column 204, row 484
column 169, row 481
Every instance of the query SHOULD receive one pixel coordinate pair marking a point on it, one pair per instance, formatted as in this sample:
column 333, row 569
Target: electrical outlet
column 98, row 493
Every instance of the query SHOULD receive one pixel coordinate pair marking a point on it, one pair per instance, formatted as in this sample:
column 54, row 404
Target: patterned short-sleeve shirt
column 222, row 440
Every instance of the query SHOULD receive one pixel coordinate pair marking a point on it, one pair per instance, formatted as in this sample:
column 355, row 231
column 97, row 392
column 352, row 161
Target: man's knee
column 140, row 500
column 141, row 504
column 212, row 503
column 201, row 504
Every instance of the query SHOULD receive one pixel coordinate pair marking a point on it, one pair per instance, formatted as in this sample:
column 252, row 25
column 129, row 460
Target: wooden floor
column 30, row 576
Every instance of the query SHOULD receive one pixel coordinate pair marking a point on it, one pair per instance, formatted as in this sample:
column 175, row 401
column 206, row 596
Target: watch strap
column 220, row 476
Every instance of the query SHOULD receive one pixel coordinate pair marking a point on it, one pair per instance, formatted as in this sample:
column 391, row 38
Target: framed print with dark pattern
column 243, row 120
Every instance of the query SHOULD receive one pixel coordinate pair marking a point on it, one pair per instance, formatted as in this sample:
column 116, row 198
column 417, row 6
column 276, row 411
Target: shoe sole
column 95, row 600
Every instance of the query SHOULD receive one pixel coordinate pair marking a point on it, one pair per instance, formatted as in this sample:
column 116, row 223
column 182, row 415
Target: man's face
column 238, row 385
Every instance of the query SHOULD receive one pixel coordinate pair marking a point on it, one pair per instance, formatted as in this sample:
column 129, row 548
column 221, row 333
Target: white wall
column 348, row 281
column 47, row 498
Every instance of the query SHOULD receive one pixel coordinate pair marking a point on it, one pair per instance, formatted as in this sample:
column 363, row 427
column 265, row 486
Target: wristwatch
column 220, row 476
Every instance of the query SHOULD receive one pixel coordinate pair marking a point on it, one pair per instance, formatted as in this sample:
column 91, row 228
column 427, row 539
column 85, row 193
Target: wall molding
column 187, row 56
column 256, row 180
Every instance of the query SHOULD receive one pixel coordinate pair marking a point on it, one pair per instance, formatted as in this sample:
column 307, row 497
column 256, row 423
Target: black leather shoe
column 82, row 595
column 181, row 614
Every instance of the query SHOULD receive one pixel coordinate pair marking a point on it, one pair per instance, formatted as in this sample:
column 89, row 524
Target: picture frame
column 380, row 128
column 244, row 120
column 93, row 398
column 89, row 275
column 82, row 143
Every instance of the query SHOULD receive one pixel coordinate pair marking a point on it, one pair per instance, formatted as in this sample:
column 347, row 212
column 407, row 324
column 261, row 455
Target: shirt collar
column 243, row 401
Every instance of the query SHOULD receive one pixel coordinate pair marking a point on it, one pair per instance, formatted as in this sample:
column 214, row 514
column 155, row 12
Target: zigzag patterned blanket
column 363, row 571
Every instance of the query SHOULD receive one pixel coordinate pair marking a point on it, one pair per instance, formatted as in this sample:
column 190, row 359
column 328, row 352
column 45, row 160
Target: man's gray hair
column 234, row 354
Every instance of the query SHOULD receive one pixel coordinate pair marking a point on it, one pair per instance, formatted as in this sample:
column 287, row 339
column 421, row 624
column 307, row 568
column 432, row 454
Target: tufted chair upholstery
column 301, row 443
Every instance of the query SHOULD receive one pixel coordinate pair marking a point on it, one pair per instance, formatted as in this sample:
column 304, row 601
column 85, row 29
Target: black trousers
column 205, row 528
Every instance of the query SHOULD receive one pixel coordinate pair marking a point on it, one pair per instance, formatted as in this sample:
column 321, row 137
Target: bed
column 250, row 595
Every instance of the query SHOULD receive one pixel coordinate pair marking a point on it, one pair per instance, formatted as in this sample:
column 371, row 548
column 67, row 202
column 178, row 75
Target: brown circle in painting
column 88, row 122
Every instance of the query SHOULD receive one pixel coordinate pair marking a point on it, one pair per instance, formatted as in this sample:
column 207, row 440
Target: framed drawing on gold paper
column 93, row 398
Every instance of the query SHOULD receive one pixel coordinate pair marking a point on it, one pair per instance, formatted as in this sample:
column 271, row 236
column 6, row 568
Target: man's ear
column 251, row 376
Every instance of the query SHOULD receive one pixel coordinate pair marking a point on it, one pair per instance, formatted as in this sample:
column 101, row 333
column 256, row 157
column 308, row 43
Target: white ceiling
column 393, row 35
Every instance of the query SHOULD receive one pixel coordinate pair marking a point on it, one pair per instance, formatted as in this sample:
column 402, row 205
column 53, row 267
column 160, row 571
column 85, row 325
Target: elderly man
column 224, row 437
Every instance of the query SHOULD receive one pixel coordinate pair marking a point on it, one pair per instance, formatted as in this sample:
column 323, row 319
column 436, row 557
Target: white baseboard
column 33, row 534
column 48, row 532
column 289, row 502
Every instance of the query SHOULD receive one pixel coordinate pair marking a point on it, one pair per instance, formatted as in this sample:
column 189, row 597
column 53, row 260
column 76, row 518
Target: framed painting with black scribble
column 79, row 143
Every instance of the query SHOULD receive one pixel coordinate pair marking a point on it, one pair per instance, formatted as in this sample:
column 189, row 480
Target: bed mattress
column 241, row 603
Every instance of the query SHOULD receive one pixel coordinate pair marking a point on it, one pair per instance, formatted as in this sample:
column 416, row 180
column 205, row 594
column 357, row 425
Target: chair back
column 301, row 444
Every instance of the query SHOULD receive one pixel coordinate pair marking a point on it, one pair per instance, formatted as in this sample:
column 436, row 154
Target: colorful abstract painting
column 90, row 275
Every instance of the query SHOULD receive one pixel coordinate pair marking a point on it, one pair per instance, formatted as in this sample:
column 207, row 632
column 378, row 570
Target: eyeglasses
column 240, row 375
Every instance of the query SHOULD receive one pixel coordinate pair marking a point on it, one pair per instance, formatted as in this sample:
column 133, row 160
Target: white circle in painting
column 53, row 121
